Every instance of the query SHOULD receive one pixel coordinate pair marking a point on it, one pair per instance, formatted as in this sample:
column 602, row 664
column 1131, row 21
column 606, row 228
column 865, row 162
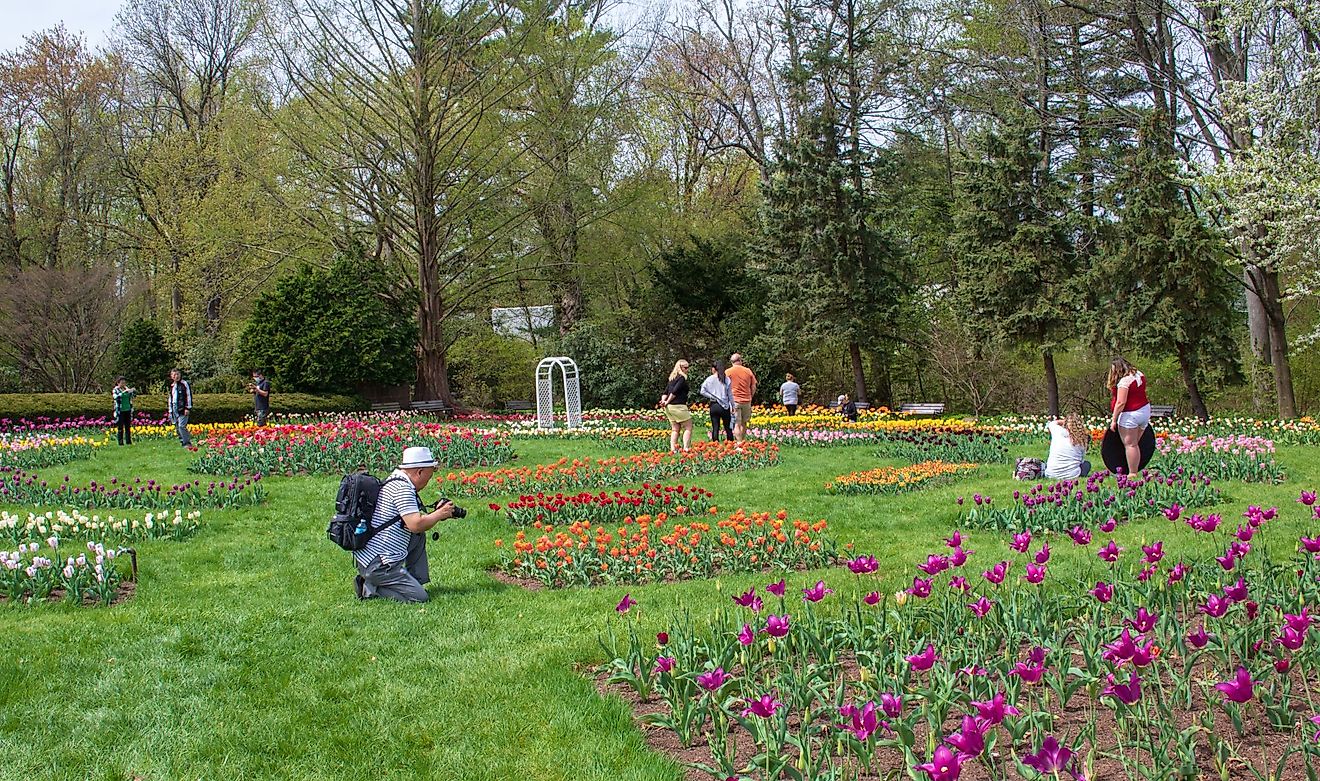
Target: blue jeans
column 181, row 425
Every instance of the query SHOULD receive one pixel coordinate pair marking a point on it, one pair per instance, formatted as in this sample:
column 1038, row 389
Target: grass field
column 245, row 656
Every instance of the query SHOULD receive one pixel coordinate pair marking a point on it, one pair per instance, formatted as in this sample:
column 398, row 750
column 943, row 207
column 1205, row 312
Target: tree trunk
column 859, row 375
column 1051, row 384
column 432, row 358
column 1189, row 379
column 1265, row 283
column 1257, row 323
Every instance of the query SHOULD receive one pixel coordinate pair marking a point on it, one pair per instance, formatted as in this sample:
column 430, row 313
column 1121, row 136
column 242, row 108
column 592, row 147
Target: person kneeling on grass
column 393, row 564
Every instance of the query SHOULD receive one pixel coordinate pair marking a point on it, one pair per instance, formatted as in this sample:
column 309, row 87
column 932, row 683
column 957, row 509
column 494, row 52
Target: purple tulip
column 981, row 606
column 1109, row 525
column 863, row 565
column 1103, row 592
column 749, row 599
column 1080, row 535
column 1311, row 544
column 712, row 680
column 746, row 636
column 776, row 626
column 1028, row 672
column 1315, row 721
column 1301, row 622
column 1236, row 592
column 1241, row 689
column 944, row 765
column 1215, row 606
column 997, row 573
column 664, row 664
column 1153, row 553
column 863, row 722
column 1197, row 638
column 1173, row 512
column 959, row 556
column 1110, row 552
column 625, row 604
column 1178, row 572
column 764, row 707
column 891, row 704
column 816, row 593
column 1307, row 498
column 1035, row 573
column 1144, row 620
column 1121, row 649
column 993, row 711
column 1127, row 693
column 959, row 583
column 923, row 661
column 776, row 588
column 934, row 565
column 921, row 588
column 1051, row 758
column 970, row 739
column 956, row 539
column 1227, row 561
column 873, row 598
column 1291, row 638
column 1021, row 542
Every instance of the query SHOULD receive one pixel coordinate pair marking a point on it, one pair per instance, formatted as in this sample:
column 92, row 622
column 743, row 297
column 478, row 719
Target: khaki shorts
column 743, row 413
column 678, row 413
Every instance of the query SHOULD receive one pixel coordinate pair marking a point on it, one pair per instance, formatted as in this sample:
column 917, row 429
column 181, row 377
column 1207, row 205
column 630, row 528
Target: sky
column 93, row 18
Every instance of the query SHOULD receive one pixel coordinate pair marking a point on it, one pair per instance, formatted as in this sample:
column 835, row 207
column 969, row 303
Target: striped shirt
column 397, row 498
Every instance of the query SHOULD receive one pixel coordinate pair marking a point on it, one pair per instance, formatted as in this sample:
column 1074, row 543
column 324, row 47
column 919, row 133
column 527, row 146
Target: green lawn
column 244, row 654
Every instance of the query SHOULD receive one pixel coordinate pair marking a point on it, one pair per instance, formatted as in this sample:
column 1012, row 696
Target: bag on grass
column 351, row 528
column 1028, row 469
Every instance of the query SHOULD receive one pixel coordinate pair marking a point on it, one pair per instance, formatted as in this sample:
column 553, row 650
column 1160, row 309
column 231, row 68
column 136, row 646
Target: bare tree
column 59, row 339
column 401, row 103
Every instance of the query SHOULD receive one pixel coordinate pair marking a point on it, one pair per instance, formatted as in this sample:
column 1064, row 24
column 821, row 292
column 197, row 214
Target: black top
column 849, row 411
column 677, row 390
column 259, row 401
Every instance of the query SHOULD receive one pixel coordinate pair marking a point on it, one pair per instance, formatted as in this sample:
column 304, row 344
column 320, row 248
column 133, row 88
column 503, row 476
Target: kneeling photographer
column 393, row 563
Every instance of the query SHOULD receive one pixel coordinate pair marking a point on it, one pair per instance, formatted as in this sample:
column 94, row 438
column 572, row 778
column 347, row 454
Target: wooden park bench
column 386, row 406
column 923, row 408
column 518, row 406
column 1162, row 411
column 435, row 407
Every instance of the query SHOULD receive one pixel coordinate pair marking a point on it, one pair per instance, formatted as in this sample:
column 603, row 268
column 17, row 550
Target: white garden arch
column 545, row 392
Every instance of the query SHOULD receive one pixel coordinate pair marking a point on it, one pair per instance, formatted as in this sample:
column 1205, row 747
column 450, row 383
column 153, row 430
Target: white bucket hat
column 417, row 458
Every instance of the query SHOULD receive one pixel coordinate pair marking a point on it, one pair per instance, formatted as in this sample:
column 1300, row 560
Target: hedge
column 207, row 407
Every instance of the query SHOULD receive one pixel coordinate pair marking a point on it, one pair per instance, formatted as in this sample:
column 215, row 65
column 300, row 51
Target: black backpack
column 354, row 505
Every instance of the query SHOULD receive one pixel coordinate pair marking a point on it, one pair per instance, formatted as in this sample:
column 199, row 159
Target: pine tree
column 1016, row 262
column 833, row 274
column 1172, row 292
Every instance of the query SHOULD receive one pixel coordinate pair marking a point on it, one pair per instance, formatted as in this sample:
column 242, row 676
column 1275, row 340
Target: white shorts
column 1137, row 418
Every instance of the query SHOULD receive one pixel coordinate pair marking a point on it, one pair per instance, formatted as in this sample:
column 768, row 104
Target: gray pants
column 401, row 581
column 181, row 426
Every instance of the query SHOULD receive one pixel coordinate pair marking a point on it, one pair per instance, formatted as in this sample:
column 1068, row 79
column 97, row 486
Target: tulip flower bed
column 345, row 446
column 1100, row 497
column 1149, row 667
column 1249, row 459
column 94, row 576
column 560, row 509
column 20, row 487
column 956, row 445
column 584, row 474
column 78, row 526
column 70, row 426
column 35, row 451
column 663, row 548
column 893, row 480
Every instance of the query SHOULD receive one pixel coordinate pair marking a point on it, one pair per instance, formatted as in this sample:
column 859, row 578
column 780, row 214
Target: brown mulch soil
column 527, row 583
column 126, row 591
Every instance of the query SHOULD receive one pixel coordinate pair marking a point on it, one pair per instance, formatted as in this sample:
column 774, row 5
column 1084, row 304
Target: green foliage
column 1016, row 266
column 1165, row 269
column 835, row 273
column 331, row 329
column 488, row 369
column 705, row 284
column 616, row 371
column 142, row 356
column 207, row 407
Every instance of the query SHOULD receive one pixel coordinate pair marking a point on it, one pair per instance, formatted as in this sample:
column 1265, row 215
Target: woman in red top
column 1129, row 409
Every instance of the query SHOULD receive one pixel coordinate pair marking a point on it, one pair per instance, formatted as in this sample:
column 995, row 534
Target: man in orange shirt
column 743, row 384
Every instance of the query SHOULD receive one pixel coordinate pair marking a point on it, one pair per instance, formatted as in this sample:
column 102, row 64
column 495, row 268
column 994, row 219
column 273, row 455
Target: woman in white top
column 1129, row 409
column 1068, row 440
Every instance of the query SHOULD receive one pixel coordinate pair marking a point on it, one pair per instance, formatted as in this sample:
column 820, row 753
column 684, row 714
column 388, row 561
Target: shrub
column 487, row 369
column 143, row 357
column 207, row 408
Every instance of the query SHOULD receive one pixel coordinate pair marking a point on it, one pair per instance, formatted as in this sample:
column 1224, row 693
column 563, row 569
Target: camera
column 459, row 512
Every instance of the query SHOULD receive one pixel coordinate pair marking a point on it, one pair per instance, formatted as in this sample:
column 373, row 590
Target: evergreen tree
column 1016, row 262
column 834, row 275
column 1166, row 270
column 327, row 330
column 142, row 357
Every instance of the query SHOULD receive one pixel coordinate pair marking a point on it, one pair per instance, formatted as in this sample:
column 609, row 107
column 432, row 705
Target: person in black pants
column 717, row 390
column 123, row 396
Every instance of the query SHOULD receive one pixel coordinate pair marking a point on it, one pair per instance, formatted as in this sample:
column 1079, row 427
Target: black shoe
column 358, row 583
